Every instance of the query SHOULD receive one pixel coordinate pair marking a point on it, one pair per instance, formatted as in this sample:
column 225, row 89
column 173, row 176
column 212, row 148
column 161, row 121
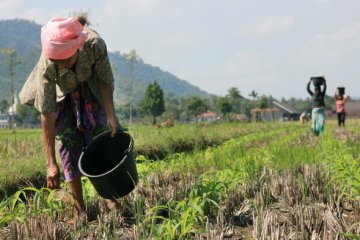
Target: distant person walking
column 318, row 104
column 340, row 100
column 72, row 87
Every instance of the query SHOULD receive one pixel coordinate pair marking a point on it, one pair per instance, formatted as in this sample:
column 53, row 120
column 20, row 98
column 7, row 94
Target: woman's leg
column 69, row 154
column 70, row 149
column 342, row 119
column 339, row 119
column 76, row 190
column 112, row 204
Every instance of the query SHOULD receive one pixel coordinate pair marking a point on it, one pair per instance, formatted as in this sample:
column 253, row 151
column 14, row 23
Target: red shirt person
column 340, row 108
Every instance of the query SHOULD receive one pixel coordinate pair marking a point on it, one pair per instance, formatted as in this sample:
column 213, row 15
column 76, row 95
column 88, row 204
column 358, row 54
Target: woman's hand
column 107, row 94
column 52, row 169
column 114, row 125
column 53, row 176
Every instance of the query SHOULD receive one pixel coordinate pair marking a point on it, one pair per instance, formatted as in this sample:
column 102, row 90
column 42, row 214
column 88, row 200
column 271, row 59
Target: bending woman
column 72, row 87
column 318, row 108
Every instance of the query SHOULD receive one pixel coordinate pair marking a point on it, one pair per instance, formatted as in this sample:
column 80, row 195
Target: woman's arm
column 324, row 89
column 48, row 132
column 107, row 95
column 308, row 88
column 105, row 78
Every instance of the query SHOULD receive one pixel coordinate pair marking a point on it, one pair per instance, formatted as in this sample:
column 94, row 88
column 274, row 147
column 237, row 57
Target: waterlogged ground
column 273, row 181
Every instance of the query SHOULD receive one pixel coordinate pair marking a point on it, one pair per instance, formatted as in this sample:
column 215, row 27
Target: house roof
column 263, row 110
column 208, row 114
column 286, row 107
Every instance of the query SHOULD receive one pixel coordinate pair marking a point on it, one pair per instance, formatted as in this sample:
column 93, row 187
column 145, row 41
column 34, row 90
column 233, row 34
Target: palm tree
column 253, row 94
column 234, row 99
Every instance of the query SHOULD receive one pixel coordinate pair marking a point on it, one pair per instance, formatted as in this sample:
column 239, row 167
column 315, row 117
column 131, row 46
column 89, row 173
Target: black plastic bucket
column 341, row 91
column 318, row 81
column 109, row 164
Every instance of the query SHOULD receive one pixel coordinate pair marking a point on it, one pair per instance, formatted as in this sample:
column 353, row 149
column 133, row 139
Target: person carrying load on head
column 340, row 100
column 72, row 87
column 318, row 104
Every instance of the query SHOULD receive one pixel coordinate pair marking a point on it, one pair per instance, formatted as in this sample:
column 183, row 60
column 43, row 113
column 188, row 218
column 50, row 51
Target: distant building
column 4, row 121
column 239, row 117
column 208, row 116
column 286, row 112
column 9, row 118
column 264, row 114
column 279, row 112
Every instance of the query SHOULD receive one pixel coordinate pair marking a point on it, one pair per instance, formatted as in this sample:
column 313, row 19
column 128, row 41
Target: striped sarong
column 318, row 120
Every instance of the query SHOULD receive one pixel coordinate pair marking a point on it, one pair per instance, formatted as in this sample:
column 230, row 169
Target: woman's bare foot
column 112, row 204
column 79, row 218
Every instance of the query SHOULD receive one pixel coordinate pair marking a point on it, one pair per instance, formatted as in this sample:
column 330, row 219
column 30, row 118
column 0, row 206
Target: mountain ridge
column 24, row 36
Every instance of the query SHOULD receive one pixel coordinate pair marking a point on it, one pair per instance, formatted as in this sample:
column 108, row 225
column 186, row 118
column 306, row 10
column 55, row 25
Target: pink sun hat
column 62, row 37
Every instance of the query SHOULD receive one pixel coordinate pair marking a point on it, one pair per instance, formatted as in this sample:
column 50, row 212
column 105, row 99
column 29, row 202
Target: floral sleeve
column 102, row 68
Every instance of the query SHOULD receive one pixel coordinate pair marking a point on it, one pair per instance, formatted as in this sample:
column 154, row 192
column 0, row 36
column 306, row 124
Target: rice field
column 226, row 181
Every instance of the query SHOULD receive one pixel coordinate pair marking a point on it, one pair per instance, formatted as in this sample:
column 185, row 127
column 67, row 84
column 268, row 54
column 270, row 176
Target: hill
column 24, row 37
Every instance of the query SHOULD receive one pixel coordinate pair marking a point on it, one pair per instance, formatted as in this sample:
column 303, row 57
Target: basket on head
column 341, row 91
column 318, row 81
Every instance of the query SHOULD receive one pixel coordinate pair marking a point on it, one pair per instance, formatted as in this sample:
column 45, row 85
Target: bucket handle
column 123, row 129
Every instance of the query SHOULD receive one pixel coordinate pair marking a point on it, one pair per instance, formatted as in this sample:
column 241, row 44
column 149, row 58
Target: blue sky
column 272, row 47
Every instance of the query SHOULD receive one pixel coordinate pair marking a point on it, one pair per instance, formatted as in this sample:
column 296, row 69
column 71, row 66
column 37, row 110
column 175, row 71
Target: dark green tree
column 153, row 103
column 224, row 106
column 12, row 62
column 234, row 98
column 253, row 94
column 172, row 106
column 263, row 102
column 4, row 105
column 211, row 102
column 195, row 106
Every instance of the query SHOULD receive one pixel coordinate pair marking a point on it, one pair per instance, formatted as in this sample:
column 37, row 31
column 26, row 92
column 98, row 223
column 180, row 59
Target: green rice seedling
column 343, row 166
column 211, row 190
column 218, row 177
column 253, row 167
column 89, row 191
column 20, row 205
column 352, row 236
column 346, row 172
column 7, row 214
column 141, row 227
column 183, row 220
column 175, row 197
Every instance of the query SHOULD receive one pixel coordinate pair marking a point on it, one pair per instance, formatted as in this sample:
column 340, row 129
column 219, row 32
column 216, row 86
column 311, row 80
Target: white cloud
column 247, row 62
column 331, row 48
column 328, row 1
column 247, row 70
column 274, row 24
column 129, row 7
column 8, row 8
